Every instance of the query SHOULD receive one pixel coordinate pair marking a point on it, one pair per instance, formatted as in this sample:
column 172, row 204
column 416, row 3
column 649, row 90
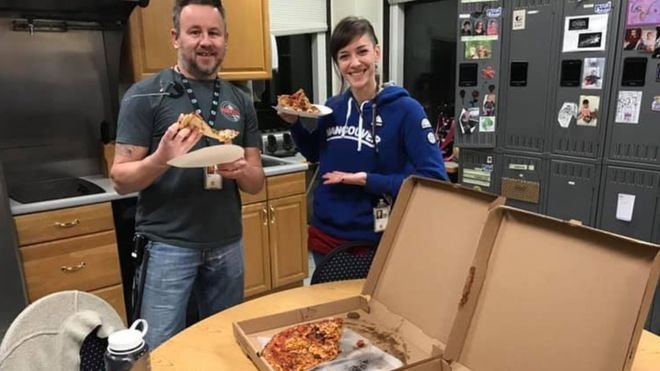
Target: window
column 429, row 60
column 294, row 72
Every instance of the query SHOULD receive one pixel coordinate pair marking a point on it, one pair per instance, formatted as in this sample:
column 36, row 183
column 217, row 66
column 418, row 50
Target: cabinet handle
column 264, row 213
column 70, row 224
column 71, row 269
column 272, row 215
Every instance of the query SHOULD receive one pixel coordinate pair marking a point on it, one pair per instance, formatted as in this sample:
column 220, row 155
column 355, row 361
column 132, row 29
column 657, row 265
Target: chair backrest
column 53, row 332
column 349, row 261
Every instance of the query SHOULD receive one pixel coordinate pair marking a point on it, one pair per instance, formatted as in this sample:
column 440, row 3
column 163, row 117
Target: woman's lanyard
column 195, row 103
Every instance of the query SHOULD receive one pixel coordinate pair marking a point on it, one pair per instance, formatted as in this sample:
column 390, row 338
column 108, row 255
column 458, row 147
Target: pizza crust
column 196, row 121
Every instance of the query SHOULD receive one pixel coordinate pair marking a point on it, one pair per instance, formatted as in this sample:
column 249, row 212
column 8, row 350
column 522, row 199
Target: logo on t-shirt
column 230, row 111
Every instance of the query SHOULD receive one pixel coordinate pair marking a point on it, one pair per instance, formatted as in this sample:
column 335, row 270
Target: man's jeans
column 214, row 276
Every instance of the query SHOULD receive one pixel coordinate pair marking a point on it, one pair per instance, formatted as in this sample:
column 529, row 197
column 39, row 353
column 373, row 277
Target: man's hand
column 340, row 177
column 176, row 142
column 232, row 170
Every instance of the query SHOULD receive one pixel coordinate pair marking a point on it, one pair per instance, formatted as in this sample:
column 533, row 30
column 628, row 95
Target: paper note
column 519, row 16
column 566, row 113
column 625, row 206
column 627, row 107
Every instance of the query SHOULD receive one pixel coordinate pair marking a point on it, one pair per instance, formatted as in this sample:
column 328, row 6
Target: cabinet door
column 255, row 239
column 288, row 239
column 151, row 49
column 248, row 52
column 248, row 56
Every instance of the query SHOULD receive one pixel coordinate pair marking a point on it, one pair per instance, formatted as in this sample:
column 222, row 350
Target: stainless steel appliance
column 278, row 143
column 59, row 68
column 13, row 289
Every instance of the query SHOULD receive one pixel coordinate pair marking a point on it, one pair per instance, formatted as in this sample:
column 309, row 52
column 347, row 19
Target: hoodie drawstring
column 348, row 114
column 360, row 121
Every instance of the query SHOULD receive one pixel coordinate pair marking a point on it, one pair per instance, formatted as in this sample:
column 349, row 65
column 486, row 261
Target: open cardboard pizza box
column 547, row 295
column 410, row 298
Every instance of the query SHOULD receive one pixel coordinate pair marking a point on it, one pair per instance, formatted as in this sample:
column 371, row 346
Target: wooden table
column 210, row 344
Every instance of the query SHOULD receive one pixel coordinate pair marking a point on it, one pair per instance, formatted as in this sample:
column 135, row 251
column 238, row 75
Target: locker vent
column 525, row 143
column 577, row 147
column 637, row 152
column 531, row 3
column 635, row 178
column 572, row 170
column 471, row 157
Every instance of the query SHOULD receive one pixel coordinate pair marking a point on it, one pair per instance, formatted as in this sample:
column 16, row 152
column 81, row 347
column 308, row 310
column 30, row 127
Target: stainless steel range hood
column 75, row 10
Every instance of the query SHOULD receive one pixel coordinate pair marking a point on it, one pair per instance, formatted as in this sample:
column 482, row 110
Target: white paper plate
column 208, row 156
column 324, row 110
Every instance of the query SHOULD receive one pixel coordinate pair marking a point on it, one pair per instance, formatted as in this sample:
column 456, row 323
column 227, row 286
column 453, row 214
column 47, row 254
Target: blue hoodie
column 405, row 144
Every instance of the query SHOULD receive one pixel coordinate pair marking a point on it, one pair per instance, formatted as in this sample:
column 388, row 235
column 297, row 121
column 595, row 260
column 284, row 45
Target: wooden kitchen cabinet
column 257, row 256
column 288, row 239
column 71, row 249
column 248, row 52
column 275, row 235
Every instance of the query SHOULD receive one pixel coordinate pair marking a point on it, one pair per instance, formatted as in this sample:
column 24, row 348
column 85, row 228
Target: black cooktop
column 53, row 189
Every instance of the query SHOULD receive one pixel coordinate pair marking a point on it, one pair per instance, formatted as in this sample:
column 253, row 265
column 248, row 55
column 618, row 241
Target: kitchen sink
column 52, row 189
column 268, row 161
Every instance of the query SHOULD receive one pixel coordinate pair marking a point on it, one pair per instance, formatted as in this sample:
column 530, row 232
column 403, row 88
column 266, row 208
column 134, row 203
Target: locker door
column 525, row 101
column 620, row 185
column 573, row 190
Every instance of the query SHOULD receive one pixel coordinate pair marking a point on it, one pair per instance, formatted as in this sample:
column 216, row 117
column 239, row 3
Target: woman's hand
column 340, row 177
column 289, row 118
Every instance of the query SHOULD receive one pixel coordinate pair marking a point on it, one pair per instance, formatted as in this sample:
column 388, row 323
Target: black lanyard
column 195, row 103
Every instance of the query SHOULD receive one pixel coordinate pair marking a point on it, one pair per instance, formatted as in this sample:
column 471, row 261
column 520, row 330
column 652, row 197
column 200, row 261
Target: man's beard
column 201, row 71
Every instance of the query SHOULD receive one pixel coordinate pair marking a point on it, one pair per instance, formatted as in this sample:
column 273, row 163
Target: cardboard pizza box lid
column 548, row 294
column 425, row 253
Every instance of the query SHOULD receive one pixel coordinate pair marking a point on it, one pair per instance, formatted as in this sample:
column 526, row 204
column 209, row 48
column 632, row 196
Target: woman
column 374, row 138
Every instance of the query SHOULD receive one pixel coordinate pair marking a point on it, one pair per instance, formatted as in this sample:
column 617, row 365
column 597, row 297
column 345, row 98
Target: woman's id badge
column 212, row 178
column 381, row 216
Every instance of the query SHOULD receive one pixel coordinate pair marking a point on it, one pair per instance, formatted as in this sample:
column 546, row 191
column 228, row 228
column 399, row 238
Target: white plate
column 208, row 156
column 324, row 110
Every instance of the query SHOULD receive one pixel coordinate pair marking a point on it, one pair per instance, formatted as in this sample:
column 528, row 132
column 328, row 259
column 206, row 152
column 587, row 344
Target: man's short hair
column 180, row 4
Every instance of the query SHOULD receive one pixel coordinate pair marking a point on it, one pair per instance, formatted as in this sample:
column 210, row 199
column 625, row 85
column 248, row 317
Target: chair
column 66, row 330
column 345, row 262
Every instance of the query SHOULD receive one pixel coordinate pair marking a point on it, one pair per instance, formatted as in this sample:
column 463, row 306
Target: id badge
column 212, row 178
column 381, row 216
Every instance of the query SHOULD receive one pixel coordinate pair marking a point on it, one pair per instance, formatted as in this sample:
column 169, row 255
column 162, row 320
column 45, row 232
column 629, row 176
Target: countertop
column 286, row 165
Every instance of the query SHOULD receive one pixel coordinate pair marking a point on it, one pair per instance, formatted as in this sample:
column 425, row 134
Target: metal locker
column 573, row 189
column 478, row 169
column 629, row 199
column 478, row 75
column 584, row 82
column 528, row 76
column 633, row 130
column 523, row 181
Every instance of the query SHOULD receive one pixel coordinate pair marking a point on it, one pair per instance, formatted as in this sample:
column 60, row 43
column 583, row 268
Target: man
column 193, row 226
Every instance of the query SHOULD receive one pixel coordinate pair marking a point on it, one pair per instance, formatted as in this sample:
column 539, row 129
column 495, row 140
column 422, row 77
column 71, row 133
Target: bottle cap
column 131, row 338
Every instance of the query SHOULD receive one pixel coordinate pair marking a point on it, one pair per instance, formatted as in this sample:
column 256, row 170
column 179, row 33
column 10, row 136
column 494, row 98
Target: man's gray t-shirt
column 176, row 209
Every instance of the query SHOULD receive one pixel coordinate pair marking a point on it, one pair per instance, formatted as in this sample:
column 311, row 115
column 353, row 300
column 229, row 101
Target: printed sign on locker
column 585, row 33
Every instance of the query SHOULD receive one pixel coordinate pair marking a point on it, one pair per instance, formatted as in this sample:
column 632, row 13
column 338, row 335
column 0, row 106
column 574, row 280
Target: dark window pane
column 430, row 55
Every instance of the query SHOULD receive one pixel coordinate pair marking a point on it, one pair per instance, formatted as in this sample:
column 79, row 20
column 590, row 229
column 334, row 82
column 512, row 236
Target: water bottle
column 127, row 350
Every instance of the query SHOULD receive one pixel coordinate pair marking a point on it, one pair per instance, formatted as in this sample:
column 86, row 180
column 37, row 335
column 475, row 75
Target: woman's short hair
column 348, row 29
